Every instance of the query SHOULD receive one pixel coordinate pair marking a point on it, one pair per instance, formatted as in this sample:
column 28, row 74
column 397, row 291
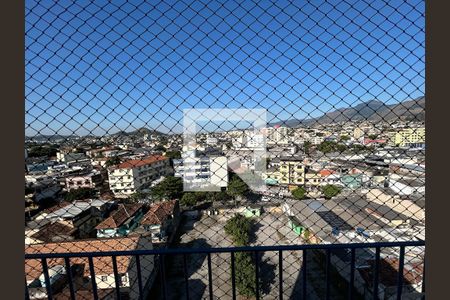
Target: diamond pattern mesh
column 307, row 128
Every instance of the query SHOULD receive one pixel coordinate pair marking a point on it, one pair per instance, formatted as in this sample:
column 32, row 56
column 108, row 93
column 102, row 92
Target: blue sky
column 100, row 66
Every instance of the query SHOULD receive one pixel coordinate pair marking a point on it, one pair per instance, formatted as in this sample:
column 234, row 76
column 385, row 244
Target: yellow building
column 358, row 133
column 290, row 171
column 313, row 179
column 408, row 137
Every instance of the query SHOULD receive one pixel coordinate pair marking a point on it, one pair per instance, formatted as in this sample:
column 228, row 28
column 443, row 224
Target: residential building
column 161, row 220
column 316, row 140
column 98, row 153
column 272, row 176
column 408, row 137
column 71, row 157
column 358, row 133
column 312, row 179
column 83, row 215
column 121, row 221
column 47, row 188
column 56, row 231
column 91, row 179
column 131, row 176
column 388, row 278
column 211, row 141
column 104, row 270
column 277, row 135
column 202, row 171
column 292, row 170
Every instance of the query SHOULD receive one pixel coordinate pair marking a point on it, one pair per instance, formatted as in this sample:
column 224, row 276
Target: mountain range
column 373, row 110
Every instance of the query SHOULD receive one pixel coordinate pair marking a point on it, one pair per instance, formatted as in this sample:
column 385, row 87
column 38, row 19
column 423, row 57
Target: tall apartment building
column 202, row 171
column 277, row 135
column 134, row 175
column 408, row 137
column 291, row 170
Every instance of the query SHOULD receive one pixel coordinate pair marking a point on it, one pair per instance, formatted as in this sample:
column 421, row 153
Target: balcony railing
column 345, row 272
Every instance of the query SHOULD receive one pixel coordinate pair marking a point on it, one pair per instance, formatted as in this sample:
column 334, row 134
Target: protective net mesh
column 202, row 124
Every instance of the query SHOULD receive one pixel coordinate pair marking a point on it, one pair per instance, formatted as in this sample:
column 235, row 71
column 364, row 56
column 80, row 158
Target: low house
column 121, row 221
column 252, row 211
column 50, row 232
column 161, row 220
column 295, row 225
column 103, row 267
column 83, row 215
column 388, row 279
column 43, row 187
column 271, row 176
column 313, row 179
column 334, row 179
column 92, row 179
column 352, row 181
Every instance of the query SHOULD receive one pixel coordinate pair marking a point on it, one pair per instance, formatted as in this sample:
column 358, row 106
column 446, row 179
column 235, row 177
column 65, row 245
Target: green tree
column 80, row 194
column 245, row 275
column 238, row 227
column 344, row 138
column 237, row 187
column 46, row 150
column 159, row 148
column 330, row 146
column 137, row 196
column 307, row 147
column 330, row 190
column 170, row 188
column 115, row 160
column 373, row 136
column 173, row 154
column 357, row 148
column 217, row 196
column 188, row 199
column 341, row 147
column 299, row 193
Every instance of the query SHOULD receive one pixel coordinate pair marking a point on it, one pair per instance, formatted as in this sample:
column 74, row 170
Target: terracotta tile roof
column 412, row 272
column 326, row 172
column 102, row 265
column 86, row 294
column 50, row 232
column 118, row 217
column 56, row 207
column 159, row 212
column 134, row 163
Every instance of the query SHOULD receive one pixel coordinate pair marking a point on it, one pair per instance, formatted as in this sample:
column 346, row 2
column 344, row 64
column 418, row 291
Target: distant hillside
column 135, row 133
column 50, row 138
column 373, row 110
column 139, row 132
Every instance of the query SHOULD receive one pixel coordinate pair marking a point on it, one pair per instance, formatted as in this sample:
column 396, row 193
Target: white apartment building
column 277, row 135
column 316, row 140
column 134, row 175
column 202, row 171
column 211, row 141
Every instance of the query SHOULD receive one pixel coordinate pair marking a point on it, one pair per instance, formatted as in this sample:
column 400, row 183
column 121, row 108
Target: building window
column 104, row 278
